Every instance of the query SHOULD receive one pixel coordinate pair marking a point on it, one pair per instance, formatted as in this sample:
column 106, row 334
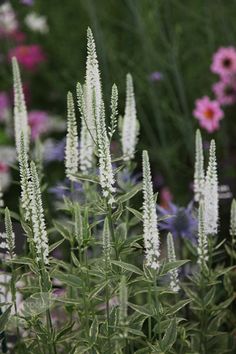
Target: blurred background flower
column 209, row 113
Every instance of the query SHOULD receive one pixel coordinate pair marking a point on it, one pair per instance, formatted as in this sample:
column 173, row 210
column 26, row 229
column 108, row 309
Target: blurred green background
column 175, row 38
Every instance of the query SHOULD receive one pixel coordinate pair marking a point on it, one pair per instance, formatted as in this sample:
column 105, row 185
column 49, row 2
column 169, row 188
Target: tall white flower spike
column 151, row 233
column 130, row 126
column 20, row 112
column 199, row 176
column 72, row 144
column 233, row 221
column 89, row 101
column 38, row 219
column 87, row 142
column 107, row 180
column 211, row 197
column 10, row 236
column 174, row 278
column 24, row 178
column 202, row 248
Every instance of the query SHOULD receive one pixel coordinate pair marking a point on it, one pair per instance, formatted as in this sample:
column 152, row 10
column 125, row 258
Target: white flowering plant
column 120, row 287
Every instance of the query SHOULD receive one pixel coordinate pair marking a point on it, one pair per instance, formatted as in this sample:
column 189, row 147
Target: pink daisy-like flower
column 30, row 56
column 224, row 61
column 38, row 121
column 225, row 92
column 209, row 113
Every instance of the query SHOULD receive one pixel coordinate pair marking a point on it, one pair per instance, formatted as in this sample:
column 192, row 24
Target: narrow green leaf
column 55, row 245
column 127, row 266
column 68, row 279
column 4, row 318
column 170, row 336
column 130, row 194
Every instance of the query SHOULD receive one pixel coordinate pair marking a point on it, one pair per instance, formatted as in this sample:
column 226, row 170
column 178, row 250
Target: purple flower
column 126, row 179
column 54, row 150
column 62, row 190
column 27, row 2
column 4, row 105
column 181, row 221
column 38, row 121
column 156, row 76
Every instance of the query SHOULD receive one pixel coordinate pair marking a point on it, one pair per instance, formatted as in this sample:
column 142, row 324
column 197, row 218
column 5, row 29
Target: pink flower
column 224, row 61
column 38, row 121
column 4, row 105
column 209, row 113
column 30, row 56
column 225, row 92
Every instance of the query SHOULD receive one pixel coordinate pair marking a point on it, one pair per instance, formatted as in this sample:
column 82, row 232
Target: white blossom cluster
column 211, row 197
column 174, row 278
column 151, row 232
column 233, row 221
column 20, row 113
column 199, row 177
column 130, row 127
column 106, row 175
column 38, row 220
column 89, row 101
column 9, row 235
column 36, row 22
column 72, row 144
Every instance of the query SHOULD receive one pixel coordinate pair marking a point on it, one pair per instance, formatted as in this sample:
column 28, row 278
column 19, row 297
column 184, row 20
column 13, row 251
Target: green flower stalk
column 38, row 219
column 211, row 195
column 1, row 195
column 106, row 243
column 72, row 144
column 199, row 176
column 174, row 278
column 123, row 301
column 130, row 126
column 202, row 248
column 20, row 112
column 150, row 228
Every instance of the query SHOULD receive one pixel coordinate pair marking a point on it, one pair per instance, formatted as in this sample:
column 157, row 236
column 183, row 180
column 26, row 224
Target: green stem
column 157, row 305
column 108, row 315
column 52, row 347
column 112, row 231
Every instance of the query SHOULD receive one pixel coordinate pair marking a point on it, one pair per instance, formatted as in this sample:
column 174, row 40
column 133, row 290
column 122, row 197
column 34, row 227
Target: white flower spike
column 233, row 221
column 211, row 196
column 151, row 232
column 38, row 219
column 10, row 236
column 72, row 144
column 20, row 112
column 174, row 278
column 130, row 126
column 199, row 176
column 107, row 180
